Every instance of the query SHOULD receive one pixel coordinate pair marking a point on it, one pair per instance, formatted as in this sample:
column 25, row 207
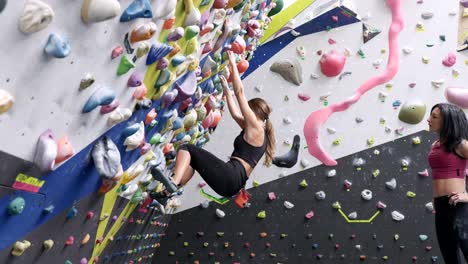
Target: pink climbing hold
column 316, row 119
column 89, row 215
column 117, row 51
column 140, row 92
column 332, row 64
column 271, row 196
column 303, row 97
column 202, row 184
column 110, row 107
column 334, row 18
column 309, row 215
column 331, row 41
column 457, row 96
column 84, row 261
column 70, row 241
column 450, row 60
column 423, row 173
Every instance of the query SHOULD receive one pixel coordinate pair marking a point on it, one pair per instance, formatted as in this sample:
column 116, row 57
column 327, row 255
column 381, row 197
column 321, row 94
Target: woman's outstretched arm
column 236, row 115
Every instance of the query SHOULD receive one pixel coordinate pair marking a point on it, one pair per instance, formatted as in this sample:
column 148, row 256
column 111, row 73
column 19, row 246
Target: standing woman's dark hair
column 262, row 110
column 456, row 129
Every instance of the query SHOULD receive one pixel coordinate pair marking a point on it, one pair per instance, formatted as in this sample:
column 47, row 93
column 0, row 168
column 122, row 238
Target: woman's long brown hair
column 262, row 110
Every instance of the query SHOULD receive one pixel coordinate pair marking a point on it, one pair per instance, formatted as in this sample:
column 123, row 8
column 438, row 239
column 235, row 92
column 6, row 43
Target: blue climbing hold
column 57, row 46
column 178, row 123
column 130, row 130
column 177, row 60
column 102, row 96
column 157, row 51
column 48, row 210
column 72, row 212
column 137, row 9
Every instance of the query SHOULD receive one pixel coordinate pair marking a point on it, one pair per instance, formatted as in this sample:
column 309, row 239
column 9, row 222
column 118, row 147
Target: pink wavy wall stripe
column 316, row 119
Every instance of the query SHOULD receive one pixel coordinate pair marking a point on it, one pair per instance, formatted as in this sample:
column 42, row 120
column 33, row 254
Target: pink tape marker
column 316, row 119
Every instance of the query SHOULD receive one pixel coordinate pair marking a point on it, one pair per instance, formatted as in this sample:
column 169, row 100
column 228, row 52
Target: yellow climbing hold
column 370, row 141
column 376, row 173
column 261, row 215
column 410, row 194
column 337, row 141
column 336, row 205
column 303, row 184
column 416, row 140
column 255, row 184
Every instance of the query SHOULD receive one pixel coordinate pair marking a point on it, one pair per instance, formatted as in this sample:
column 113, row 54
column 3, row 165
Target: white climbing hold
column 383, row 96
column 287, row 120
column 366, row 194
column 381, row 205
column 391, row 184
column 301, row 51
column 359, row 120
column 283, row 173
column 352, row 215
column 87, row 81
column 36, row 16
column 258, row 88
column 437, row 83
column 397, row 216
column 164, row 9
column 407, row 50
column 205, row 204
column 131, row 189
column 376, row 152
column 320, row 195
column 427, row 15
column 288, row 205
column 6, row 101
column 93, row 11
column 174, row 202
column 220, row 213
column 134, row 141
column 377, row 63
column 453, row 12
column 324, row 97
column 366, row 16
column 314, row 76
column 331, row 130
column 331, row 173
column 430, row 206
column 305, row 163
column 46, row 151
column 119, row 115
column 405, row 163
column 358, row 162
column 348, row 52
column 388, row 129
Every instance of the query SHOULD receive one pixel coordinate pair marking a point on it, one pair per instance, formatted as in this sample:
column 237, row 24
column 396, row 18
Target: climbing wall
column 289, row 220
column 94, row 93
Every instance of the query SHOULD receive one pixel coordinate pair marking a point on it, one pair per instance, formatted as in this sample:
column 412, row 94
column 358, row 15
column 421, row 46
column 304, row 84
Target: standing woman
column 447, row 160
column 256, row 138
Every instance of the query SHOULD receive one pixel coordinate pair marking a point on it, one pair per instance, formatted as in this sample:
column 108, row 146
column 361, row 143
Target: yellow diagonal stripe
column 282, row 18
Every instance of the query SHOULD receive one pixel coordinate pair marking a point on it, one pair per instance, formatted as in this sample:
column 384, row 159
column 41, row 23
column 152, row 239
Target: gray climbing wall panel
column 291, row 238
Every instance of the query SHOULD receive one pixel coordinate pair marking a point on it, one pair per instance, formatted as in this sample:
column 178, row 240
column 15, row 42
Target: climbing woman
column 447, row 160
column 255, row 139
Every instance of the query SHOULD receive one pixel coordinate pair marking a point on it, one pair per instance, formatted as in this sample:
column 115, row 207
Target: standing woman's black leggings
column 225, row 178
column 452, row 229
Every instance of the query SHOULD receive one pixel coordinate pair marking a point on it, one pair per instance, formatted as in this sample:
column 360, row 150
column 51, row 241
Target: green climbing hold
column 376, row 173
column 361, row 53
column 410, row 194
column 396, row 237
column 279, row 6
column 186, row 244
column 191, row 47
column 261, row 215
column 68, row 262
column 163, row 78
column 220, row 234
column 412, row 112
column 16, row 206
column 171, row 253
column 156, row 139
column 137, row 197
column 206, row 244
column 423, row 237
column 385, row 257
column 303, row 184
column 337, row 141
column 255, row 184
column 124, row 66
column 283, row 235
column 191, row 31
column 370, row 141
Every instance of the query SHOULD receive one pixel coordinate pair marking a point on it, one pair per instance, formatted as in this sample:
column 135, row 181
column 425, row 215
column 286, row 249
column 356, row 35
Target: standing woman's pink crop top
column 445, row 165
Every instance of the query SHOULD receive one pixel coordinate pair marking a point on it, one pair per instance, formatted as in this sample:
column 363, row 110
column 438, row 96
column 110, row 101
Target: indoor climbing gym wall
column 95, row 94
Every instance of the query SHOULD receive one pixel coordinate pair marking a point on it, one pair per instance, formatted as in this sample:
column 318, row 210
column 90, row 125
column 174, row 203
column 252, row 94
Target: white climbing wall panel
column 370, row 107
column 46, row 89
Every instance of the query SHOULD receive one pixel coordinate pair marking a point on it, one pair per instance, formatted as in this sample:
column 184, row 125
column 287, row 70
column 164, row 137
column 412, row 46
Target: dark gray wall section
column 241, row 225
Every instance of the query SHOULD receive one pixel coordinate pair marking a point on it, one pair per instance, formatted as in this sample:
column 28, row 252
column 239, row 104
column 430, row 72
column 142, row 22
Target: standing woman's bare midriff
column 444, row 187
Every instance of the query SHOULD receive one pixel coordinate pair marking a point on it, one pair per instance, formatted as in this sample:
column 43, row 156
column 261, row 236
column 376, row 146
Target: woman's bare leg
column 182, row 169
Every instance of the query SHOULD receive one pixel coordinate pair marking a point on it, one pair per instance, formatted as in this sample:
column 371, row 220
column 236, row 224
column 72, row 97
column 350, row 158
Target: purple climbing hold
column 162, row 64
column 135, row 80
column 185, row 86
column 169, row 97
column 105, row 109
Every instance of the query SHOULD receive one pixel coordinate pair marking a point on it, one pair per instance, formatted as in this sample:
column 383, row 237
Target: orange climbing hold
column 168, row 148
column 143, row 32
column 150, row 116
column 175, row 50
column 168, row 23
column 64, row 150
